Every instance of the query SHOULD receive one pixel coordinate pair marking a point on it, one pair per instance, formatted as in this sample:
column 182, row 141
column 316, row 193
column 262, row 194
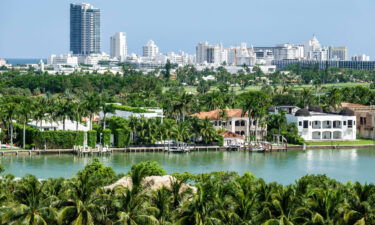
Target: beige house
column 234, row 121
column 365, row 119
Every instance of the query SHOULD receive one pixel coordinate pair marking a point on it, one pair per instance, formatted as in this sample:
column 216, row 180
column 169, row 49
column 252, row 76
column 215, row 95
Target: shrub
column 106, row 137
column 148, row 168
column 120, row 138
column 31, row 134
column 59, row 139
column 97, row 175
column 220, row 140
column 2, row 169
column 91, row 138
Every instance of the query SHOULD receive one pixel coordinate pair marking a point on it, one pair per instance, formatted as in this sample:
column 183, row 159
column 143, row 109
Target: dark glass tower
column 84, row 29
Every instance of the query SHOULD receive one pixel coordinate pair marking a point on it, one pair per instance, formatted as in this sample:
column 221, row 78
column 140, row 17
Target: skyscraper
column 150, row 49
column 84, row 29
column 119, row 48
column 338, row 53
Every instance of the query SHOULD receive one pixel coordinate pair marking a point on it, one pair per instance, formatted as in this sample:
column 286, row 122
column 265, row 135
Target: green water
column 283, row 167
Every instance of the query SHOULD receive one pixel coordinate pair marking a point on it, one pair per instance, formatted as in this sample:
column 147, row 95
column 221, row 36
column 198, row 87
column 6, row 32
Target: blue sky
column 38, row 28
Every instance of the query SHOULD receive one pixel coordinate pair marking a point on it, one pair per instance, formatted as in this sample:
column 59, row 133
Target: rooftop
column 357, row 107
column 228, row 134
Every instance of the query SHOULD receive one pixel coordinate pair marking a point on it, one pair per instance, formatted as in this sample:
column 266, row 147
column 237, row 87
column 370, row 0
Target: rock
column 152, row 183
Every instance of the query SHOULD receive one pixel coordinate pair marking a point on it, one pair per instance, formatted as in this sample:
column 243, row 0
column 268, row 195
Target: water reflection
column 283, row 167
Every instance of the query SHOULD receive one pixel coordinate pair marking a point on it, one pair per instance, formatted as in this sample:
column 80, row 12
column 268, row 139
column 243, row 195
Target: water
column 283, row 167
column 19, row 61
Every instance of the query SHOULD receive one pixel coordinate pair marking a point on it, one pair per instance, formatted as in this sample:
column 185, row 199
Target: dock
column 86, row 151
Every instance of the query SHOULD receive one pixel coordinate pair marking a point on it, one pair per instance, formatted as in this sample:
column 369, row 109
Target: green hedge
column 106, row 137
column 91, row 138
column 120, row 138
column 31, row 134
column 59, row 139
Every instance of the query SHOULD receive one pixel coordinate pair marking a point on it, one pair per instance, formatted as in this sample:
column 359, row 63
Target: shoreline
column 161, row 149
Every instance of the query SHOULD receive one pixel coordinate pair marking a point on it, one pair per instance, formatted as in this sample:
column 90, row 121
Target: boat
column 234, row 147
column 178, row 147
column 258, row 149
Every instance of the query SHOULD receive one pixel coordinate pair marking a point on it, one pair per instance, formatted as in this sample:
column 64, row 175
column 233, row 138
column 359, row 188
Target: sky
column 38, row 28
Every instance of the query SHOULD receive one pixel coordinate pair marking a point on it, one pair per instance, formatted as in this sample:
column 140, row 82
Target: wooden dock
column 95, row 151
column 111, row 150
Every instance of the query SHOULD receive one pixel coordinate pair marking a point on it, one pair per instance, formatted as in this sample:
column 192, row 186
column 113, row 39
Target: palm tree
column 254, row 105
column 207, row 131
column 334, row 98
column 132, row 208
column 92, row 102
column 24, row 111
column 106, row 108
column 201, row 209
column 30, row 206
column 8, row 109
column 181, row 106
column 161, row 200
column 82, row 203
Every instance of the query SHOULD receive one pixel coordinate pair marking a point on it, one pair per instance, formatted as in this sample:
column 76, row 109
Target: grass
column 356, row 142
column 193, row 89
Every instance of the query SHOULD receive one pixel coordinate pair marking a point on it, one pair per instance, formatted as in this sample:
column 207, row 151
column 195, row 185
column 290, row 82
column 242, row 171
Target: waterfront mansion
column 314, row 125
column 233, row 120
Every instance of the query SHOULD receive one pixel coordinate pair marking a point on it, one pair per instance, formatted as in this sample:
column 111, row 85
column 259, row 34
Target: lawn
column 357, row 142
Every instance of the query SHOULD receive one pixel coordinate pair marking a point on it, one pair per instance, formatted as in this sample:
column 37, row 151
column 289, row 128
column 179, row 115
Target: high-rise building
column 314, row 51
column 241, row 55
column 214, row 54
column 84, row 29
column 338, row 53
column 288, row 51
column 361, row 58
column 150, row 49
column 119, row 48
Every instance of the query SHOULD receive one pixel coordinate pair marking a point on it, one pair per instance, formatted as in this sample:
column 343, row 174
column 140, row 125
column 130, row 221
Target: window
column 305, row 124
column 344, row 123
column 350, row 123
column 300, row 123
column 362, row 120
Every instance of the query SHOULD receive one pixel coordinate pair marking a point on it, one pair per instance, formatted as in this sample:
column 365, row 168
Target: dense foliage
column 220, row 198
column 59, row 139
column 37, row 96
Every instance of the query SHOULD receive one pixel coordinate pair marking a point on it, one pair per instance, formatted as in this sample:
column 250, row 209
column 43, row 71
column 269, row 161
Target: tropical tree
column 30, row 205
column 92, row 102
column 24, row 112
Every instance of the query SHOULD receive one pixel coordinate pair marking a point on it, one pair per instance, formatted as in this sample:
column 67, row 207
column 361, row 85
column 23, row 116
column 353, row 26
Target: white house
column 232, row 139
column 126, row 112
column 44, row 125
column 314, row 125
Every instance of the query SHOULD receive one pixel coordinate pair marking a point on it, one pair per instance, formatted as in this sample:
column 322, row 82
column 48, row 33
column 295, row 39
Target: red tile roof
column 228, row 134
column 356, row 107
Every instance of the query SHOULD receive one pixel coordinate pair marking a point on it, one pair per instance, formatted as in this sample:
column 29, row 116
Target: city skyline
column 190, row 28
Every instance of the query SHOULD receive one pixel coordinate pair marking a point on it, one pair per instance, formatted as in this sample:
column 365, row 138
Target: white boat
column 178, row 147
